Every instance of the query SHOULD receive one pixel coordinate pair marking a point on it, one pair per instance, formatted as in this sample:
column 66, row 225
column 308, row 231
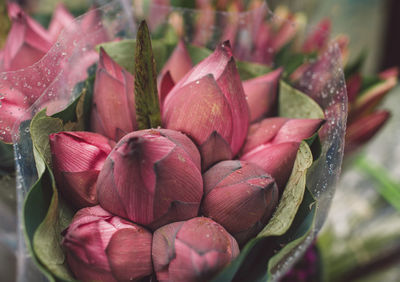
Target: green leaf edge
column 42, row 159
column 387, row 187
column 290, row 107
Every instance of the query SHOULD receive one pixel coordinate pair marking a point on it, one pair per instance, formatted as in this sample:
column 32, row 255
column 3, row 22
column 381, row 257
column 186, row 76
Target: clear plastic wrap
column 50, row 83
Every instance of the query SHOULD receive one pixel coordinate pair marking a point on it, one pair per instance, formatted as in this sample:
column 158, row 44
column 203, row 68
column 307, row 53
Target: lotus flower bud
column 362, row 130
column 102, row 247
column 318, row 39
column 272, row 144
column 278, row 130
column 27, row 41
column 77, row 160
column 212, row 107
column 60, row 20
column 367, row 102
column 113, row 111
column 277, row 160
column 152, row 177
column 261, row 93
column 165, row 85
column 179, row 63
column 240, row 196
column 194, row 250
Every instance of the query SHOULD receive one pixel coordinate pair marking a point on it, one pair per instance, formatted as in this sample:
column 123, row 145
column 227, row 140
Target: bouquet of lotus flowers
column 169, row 160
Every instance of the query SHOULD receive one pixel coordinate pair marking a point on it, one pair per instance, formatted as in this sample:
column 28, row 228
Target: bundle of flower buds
column 180, row 199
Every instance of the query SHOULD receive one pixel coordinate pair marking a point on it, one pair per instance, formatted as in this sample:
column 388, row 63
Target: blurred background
column 361, row 239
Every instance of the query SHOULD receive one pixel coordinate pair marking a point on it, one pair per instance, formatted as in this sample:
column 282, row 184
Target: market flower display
column 193, row 250
column 103, row 247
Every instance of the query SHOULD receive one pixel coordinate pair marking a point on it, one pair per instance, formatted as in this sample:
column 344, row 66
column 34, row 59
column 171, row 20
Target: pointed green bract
column 148, row 113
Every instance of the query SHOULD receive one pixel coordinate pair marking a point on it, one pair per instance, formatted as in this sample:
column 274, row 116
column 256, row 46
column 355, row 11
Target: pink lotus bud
column 60, row 20
column 152, row 177
column 353, row 85
column 276, row 159
column 77, row 160
column 317, row 40
column 261, row 94
column 179, row 63
column 27, row 41
column 362, row 130
column 113, row 111
column 212, row 107
column 367, row 102
column 102, row 247
column 279, row 130
column 240, row 196
column 194, row 250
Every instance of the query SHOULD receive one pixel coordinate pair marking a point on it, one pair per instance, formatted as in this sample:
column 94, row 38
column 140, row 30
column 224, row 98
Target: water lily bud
column 113, row 111
column 209, row 105
column 77, row 160
column 240, row 196
column 279, row 130
column 261, row 94
column 152, row 177
column 102, row 247
column 194, row 250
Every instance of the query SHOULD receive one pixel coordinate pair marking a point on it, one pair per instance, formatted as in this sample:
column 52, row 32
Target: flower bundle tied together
column 190, row 157
column 162, row 180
